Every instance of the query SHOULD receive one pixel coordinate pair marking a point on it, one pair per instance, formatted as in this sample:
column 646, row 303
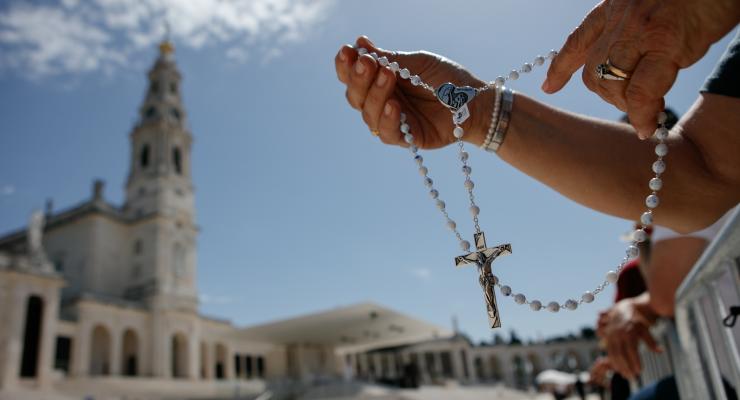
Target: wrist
column 480, row 117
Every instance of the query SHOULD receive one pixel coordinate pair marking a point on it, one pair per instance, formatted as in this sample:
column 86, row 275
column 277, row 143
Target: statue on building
column 36, row 253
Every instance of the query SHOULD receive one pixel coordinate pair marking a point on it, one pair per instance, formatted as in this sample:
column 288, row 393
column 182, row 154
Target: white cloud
column 72, row 36
column 422, row 273
column 7, row 190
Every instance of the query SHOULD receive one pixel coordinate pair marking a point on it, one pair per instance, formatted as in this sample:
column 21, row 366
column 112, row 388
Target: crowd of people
column 631, row 52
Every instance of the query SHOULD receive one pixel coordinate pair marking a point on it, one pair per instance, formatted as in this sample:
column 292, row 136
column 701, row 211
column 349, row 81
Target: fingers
column 650, row 341
column 377, row 97
column 632, row 358
column 389, row 122
column 574, row 51
column 343, row 62
column 651, row 80
column 361, row 77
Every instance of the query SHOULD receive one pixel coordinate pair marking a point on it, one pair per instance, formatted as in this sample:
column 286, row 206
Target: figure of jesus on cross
column 483, row 257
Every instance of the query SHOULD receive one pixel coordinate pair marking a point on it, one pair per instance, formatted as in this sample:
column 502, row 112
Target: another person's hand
column 629, row 323
column 599, row 373
column 650, row 39
column 381, row 95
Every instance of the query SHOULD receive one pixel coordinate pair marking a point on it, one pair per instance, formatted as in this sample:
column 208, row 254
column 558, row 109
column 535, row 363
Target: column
column 228, row 364
column 115, row 351
column 15, row 308
column 193, row 371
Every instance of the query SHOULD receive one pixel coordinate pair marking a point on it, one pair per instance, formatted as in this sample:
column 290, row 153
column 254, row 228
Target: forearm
column 603, row 166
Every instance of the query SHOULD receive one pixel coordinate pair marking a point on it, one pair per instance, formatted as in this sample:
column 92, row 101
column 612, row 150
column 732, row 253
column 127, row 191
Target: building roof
column 357, row 327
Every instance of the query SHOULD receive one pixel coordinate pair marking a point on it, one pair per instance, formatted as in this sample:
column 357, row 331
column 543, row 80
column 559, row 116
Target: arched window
column 154, row 87
column 177, row 159
column 173, row 87
column 138, row 246
column 144, row 156
column 175, row 113
column 151, row 112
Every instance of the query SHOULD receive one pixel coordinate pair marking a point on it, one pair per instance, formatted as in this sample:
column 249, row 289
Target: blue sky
column 301, row 209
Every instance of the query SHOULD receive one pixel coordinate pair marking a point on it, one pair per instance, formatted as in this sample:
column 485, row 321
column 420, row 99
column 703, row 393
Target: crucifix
column 483, row 257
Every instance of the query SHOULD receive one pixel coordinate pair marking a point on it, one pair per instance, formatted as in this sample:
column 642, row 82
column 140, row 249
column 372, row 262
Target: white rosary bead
column 553, row 306
column 405, row 127
column 465, row 245
column 458, row 132
column 612, row 277
column 659, row 167
column 413, row 148
column 464, row 156
column 526, row 68
column 415, row 80
column 441, row 205
column 393, row 66
column 655, row 184
column 639, row 236
column 499, row 82
column 646, row 218
column 571, row 304
column 661, row 133
column 539, row 60
column 428, row 182
column 474, row 210
column 469, row 184
column 662, row 117
column 408, row 138
column 403, row 117
column 423, row 171
column 535, row 305
column 551, row 54
column 632, row 251
column 514, row 75
column 661, row 149
column 652, row 201
column 506, row 290
column 383, row 61
column 419, row 159
column 362, row 51
column 519, row 298
column 587, row 297
column 374, row 55
column 404, row 73
column 451, row 224
column 466, row 170
column 433, row 193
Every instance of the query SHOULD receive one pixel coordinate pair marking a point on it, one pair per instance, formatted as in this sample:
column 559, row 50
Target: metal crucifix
column 483, row 258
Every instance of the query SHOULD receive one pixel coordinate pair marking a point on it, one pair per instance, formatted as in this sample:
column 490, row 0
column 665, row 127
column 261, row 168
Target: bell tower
column 160, row 193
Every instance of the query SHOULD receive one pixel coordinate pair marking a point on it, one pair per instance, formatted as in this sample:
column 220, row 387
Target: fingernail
column 342, row 56
column 382, row 79
column 546, row 86
column 359, row 68
column 387, row 110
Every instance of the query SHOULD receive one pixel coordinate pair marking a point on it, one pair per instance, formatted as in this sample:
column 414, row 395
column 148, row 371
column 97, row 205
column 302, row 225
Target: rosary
column 456, row 98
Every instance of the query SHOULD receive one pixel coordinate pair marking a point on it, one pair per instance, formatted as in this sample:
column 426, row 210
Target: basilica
column 101, row 298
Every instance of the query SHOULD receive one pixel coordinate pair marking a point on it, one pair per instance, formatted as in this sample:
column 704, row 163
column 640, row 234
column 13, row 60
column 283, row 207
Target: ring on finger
column 375, row 132
column 607, row 71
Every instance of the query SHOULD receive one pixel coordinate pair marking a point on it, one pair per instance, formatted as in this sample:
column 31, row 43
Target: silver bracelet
column 507, row 102
column 494, row 118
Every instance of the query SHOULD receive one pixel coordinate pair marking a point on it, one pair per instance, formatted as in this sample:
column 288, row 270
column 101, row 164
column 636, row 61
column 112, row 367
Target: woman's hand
column 381, row 95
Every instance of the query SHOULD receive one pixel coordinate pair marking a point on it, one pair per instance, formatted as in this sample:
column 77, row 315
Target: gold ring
column 375, row 132
column 617, row 71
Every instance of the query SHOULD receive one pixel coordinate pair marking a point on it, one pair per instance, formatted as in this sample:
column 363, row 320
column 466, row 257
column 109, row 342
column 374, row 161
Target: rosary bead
column 383, row 61
column 469, row 184
column 655, row 184
column 571, row 304
column 441, row 205
column 499, row 82
column 451, row 224
column 458, row 132
column 464, row 156
column 474, row 210
column 466, row 170
column 362, row 51
column 419, row 159
column 661, row 133
column 539, row 60
column 659, row 167
column 662, row 117
column 640, row 236
column 612, row 277
column 393, row 66
column 519, row 298
column 404, row 73
column 632, row 251
column 413, row 148
column 415, row 80
column 587, row 297
column 374, row 55
column 405, row 127
column 535, row 305
column 409, row 138
column 552, row 54
column 652, row 201
column 428, row 182
column 553, row 306
column 433, row 193
column 514, row 75
column 423, row 171
column 403, row 117
column 646, row 218
column 661, row 149
column 526, row 68
column 465, row 245
column 506, row 290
